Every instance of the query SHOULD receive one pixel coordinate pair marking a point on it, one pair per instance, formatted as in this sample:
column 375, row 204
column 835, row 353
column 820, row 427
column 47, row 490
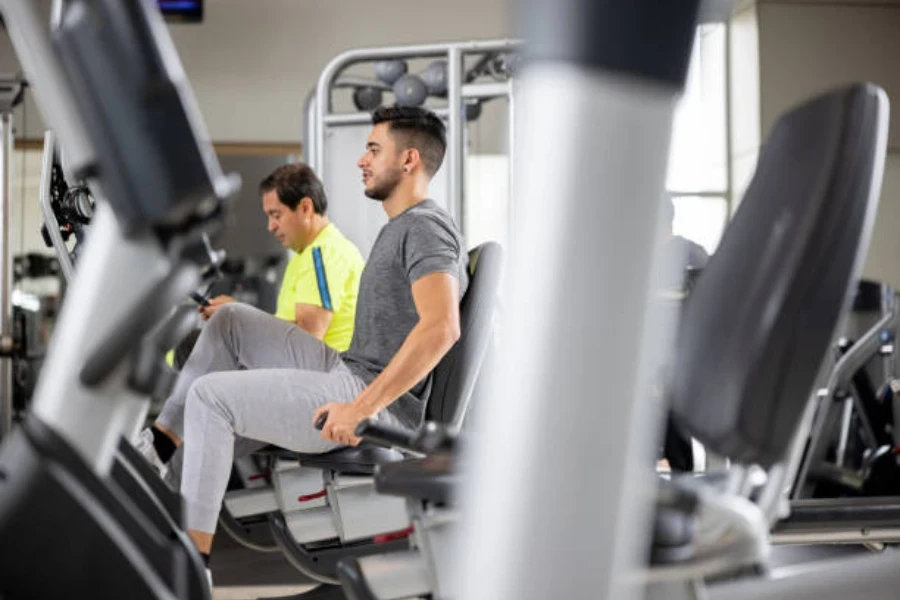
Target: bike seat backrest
column 455, row 376
column 763, row 314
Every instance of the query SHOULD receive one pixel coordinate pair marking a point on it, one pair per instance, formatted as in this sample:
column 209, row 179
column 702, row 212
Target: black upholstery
column 346, row 460
column 868, row 296
column 455, row 376
column 430, row 479
column 762, row 316
column 360, row 460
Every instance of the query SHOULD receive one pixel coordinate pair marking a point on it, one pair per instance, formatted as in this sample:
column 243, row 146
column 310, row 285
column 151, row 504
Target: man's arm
column 436, row 297
column 313, row 319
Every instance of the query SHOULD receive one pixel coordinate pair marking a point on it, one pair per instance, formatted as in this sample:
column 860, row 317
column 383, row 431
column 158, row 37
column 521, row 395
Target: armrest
column 434, row 437
column 386, row 435
column 431, row 438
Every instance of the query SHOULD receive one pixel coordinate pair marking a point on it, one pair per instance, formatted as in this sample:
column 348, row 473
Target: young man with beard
column 254, row 378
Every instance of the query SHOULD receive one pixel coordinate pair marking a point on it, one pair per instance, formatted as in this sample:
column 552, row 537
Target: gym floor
column 241, row 574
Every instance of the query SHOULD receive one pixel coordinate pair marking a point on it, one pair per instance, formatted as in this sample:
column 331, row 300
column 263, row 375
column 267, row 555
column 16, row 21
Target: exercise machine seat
column 455, row 376
column 761, row 318
column 346, row 460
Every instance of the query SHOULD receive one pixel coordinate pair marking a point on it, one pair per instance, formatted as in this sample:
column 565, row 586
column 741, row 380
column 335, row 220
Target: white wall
column 807, row 47
column 252, row 62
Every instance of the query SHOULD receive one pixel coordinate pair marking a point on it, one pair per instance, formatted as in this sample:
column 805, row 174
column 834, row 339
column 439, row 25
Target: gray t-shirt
column 417, row 242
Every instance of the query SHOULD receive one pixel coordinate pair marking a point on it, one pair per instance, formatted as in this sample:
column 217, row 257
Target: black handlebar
column 429, row 439
column 386, row 435
column 320, row 422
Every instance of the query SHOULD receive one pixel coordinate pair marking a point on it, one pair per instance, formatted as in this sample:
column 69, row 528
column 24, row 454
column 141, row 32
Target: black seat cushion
column 431, row 479
column 361, row 460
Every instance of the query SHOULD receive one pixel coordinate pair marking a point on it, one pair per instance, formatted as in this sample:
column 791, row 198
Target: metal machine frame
column 319, row 116
column 11, row 90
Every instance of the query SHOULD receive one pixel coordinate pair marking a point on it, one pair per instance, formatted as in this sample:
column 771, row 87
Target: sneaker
column 144, row 444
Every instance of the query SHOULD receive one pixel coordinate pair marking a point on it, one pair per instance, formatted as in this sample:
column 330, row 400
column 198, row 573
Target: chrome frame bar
column 6, row 150
column 840, row 377
column 454, row 53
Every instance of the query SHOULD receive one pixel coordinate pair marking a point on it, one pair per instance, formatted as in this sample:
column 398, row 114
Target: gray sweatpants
column 251, row 380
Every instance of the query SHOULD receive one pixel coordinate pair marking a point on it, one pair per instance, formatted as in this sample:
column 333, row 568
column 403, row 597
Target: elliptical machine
column 110, row 84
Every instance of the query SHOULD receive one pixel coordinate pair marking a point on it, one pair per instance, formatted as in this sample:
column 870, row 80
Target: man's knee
column 224, row 315
column 223, row 323
column 205, row 397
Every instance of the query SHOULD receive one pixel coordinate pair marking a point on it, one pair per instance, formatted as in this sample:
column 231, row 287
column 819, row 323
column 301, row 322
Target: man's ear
column 411, row 159
column 306, row 208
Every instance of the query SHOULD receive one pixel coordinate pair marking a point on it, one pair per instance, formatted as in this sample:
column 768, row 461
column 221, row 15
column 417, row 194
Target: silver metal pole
column 486, row 90
column 845, row 432
column 455, row 124
column 361, row 118
column 309, row 131
column 569, row 516
column 578, row 399
column 6, row 401
column 860, row 535
column 56, row 14
column 511, row 197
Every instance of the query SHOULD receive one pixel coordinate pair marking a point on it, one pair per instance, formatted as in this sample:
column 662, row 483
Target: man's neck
column 320, row 222
column 405, row 196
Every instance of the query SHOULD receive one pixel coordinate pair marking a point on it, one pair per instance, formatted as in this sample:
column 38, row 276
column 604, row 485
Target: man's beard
column 382, row 191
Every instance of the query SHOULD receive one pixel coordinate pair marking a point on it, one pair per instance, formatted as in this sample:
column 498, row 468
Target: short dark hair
column 293, row 183
column 417, row 128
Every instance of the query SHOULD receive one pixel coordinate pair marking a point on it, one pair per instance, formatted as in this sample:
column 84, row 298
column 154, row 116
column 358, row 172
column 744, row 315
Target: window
column 698, row 164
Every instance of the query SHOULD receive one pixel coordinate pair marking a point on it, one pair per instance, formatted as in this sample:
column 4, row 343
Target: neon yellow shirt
column 325, row 274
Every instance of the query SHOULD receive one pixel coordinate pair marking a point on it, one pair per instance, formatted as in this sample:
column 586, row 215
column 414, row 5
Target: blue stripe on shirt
column 321, row 278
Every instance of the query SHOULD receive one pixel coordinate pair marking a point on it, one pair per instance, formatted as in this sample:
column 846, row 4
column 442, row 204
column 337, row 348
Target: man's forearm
column 312, row 319
column 312, row 327
column 423, row 348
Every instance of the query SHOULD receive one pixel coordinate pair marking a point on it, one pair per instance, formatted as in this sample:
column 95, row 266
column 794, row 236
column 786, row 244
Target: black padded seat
column 430, row 479
column 361, row 460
